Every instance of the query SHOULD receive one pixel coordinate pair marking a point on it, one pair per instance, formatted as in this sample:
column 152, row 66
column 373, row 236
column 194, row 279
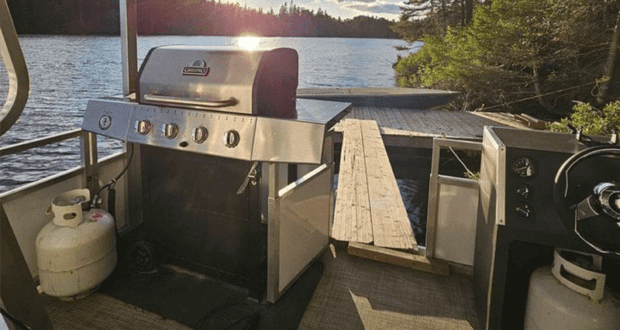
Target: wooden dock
column 369, row 207
column 431, row 123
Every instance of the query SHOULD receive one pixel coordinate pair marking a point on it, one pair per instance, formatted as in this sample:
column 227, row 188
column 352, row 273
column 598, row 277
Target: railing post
column 129, row 53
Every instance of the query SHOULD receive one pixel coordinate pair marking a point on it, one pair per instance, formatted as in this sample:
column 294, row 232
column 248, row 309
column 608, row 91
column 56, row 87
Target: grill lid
column 258, row 82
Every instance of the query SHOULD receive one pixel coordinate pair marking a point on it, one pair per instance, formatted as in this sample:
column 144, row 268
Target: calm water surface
column 66, row 71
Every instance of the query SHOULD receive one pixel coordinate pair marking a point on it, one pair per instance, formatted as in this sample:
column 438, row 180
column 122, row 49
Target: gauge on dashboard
column 523, row 192
column 523, row 167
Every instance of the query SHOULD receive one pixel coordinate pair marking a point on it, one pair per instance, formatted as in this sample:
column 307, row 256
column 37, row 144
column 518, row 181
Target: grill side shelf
column 288, row 141
column 108, row 118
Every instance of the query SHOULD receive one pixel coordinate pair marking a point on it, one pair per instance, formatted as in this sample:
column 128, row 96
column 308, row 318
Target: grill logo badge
column 197, row 68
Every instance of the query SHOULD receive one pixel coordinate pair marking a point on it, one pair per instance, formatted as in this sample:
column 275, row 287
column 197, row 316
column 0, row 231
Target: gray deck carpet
column 102, row 312
column 356, row 293
column 204, row 303
column 353, row 293
column 129, row 300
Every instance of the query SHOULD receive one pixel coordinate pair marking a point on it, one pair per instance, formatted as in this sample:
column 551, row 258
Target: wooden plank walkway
column 369, row 207
column 429, row 123
column 352, row 216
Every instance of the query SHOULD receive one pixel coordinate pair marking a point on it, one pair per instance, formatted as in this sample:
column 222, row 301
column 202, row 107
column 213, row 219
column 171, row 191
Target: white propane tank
column 76, row 251
column 570, row 297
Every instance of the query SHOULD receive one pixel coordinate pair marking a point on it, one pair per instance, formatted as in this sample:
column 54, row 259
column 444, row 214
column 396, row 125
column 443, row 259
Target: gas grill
column 232, row 175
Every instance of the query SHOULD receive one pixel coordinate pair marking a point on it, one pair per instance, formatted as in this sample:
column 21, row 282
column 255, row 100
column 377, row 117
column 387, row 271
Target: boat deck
column 357, row 293
column 353, row 293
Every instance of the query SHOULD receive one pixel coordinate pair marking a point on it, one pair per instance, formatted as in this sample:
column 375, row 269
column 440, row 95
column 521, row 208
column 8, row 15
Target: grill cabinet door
column 299, row 222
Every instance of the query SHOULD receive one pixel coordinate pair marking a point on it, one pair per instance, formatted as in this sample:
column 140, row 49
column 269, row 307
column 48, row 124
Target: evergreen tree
column 534, row 56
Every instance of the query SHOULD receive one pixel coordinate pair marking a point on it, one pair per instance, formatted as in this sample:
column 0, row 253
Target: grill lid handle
column 196, row 102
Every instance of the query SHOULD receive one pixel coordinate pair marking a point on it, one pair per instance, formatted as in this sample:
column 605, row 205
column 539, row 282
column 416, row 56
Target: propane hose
column 110, row 185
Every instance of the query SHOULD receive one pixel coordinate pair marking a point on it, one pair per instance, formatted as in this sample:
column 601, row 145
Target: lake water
column 67, row 71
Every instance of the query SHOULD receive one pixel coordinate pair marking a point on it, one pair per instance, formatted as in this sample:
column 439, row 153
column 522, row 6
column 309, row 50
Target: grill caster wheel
column 142, row 257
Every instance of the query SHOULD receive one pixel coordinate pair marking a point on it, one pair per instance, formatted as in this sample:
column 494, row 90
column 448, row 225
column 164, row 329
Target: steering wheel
column 596, row 219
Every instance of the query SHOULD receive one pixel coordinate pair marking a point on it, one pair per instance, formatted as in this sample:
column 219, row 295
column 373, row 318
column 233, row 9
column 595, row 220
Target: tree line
column 527, row 56
column 190, row 17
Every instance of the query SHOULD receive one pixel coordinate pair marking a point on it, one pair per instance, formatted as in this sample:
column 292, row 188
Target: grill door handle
column 202, row 103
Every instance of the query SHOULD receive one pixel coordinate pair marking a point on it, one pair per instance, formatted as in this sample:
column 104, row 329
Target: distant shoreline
column 190, row 17
column 188, row 35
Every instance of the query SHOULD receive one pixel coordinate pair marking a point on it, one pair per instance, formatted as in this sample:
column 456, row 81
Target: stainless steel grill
column 260, row 83
column 233, row 174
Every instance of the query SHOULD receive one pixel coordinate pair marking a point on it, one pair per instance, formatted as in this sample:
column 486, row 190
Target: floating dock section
column 410, row 117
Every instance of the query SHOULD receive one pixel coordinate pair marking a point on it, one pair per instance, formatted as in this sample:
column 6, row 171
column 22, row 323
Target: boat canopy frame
column 129, row 45
column 16, row 69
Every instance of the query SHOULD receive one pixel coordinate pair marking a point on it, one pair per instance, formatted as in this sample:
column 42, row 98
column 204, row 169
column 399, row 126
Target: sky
column 388, row 9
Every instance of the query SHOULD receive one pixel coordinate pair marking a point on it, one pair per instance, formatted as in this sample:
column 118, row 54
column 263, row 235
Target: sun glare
column 249, row 43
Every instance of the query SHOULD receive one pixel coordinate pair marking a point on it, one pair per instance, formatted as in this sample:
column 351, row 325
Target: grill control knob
column 231, row 139
column 105, row 122
column 170, row 130
column 200, row 134
column 143, row 126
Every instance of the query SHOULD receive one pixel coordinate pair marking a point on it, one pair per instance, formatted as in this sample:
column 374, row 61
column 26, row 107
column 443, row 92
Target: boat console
column 540, row 191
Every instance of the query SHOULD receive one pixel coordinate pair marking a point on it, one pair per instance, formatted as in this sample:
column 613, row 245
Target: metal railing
column 19, row 147
column 16, row 70
column 89, row 166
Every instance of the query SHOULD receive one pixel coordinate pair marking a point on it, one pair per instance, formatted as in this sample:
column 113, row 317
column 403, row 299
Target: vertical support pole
column 134, row 188
column 328, row 158
column 433, row 201
column 129, row 56
column 278, row 177
column 89, row 161
column 129, row 46
column 273, row 235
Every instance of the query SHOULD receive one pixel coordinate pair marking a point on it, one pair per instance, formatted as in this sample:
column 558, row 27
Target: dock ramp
column 369, row 207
